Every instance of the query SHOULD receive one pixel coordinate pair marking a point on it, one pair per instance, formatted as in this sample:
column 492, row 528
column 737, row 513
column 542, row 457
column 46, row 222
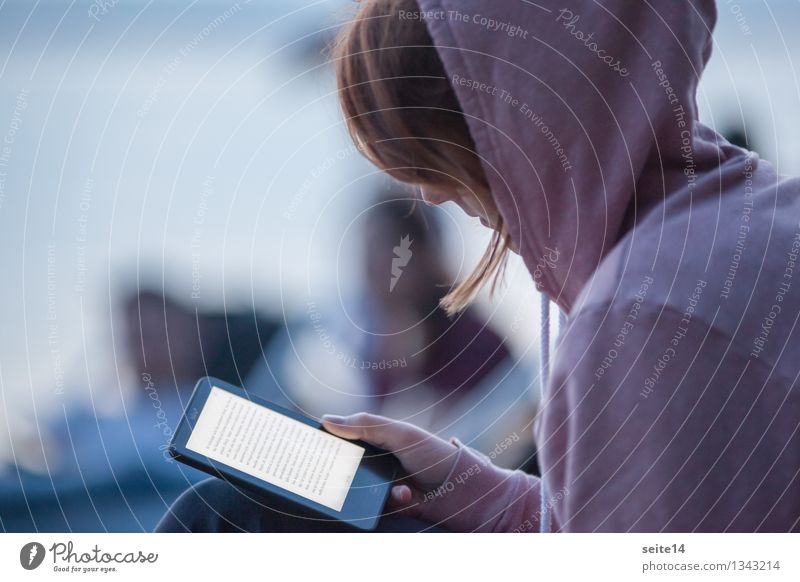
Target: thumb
column 425, row 457
column 376, row 430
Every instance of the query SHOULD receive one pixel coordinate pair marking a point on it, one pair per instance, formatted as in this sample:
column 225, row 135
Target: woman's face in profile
column 476, row 205
column 482, row 207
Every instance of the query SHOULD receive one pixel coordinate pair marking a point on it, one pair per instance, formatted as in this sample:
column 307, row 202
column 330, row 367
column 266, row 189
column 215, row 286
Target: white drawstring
column 544, row 362
column 544, row 357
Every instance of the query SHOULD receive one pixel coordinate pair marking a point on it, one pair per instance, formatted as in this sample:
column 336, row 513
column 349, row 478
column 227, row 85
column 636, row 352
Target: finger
column 401, row 495
column 404, row 501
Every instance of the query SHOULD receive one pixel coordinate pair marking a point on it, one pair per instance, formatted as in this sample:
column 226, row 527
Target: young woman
column 672, row 402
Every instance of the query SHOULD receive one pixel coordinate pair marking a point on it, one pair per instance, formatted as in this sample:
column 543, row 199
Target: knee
column 211, row 505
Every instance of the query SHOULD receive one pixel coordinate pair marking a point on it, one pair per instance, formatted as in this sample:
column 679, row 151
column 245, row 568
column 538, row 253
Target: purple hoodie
column 672, row 402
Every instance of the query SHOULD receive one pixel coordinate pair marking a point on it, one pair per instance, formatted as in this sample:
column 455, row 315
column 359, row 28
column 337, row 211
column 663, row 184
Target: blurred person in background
column 440, row 372
column 100, row 471
column 398, row 352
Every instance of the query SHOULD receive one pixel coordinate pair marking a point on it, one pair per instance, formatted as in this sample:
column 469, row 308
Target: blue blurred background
column 178, row 197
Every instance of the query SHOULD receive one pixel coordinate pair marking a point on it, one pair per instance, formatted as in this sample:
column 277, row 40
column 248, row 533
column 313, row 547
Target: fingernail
column 333, row 419
column 404, row 494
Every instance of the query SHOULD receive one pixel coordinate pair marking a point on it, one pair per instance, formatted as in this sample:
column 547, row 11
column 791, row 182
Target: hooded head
column 581, row 116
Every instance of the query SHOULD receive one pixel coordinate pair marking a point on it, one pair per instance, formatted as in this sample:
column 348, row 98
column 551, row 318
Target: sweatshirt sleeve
column 656, row 420
column 478, row 496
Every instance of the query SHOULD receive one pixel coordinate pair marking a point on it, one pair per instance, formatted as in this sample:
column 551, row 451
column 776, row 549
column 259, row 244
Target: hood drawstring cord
column 545, row 522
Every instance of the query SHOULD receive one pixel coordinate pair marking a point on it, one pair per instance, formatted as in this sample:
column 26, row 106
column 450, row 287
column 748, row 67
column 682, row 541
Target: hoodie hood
column 582, row 126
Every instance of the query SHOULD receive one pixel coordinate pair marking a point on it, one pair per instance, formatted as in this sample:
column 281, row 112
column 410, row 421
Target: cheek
column 467, row 208
column 488, row 204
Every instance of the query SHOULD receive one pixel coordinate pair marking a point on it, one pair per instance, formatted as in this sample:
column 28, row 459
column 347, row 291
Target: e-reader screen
column 275, row 448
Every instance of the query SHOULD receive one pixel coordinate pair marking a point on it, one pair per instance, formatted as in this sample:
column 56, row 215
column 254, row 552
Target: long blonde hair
column 402, row 113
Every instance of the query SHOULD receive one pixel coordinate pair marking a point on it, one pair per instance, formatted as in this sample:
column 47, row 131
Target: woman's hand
column 426, row 459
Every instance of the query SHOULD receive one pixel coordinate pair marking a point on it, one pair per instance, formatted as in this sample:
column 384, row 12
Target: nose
column 432, row 198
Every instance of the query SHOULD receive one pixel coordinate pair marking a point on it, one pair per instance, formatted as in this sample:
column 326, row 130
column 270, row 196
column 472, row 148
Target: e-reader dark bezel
column 368, row 492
